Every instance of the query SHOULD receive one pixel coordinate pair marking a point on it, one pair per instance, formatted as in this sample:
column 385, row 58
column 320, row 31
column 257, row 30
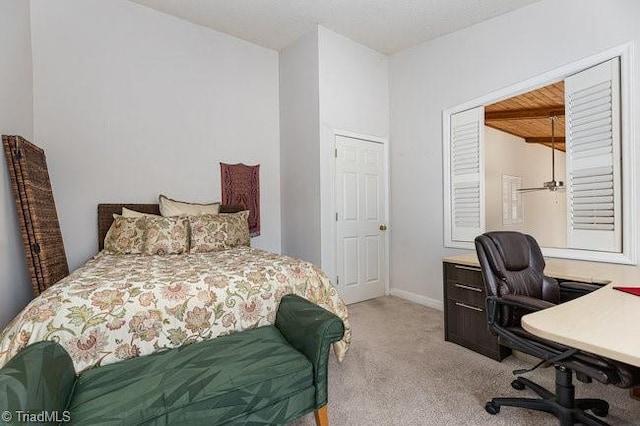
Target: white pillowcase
column 132, row 213
column 169, row 207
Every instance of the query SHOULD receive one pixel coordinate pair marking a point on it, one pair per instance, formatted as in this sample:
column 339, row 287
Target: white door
column 361, row 226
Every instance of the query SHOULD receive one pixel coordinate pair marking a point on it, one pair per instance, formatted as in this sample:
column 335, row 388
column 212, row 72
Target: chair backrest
column 511, row 263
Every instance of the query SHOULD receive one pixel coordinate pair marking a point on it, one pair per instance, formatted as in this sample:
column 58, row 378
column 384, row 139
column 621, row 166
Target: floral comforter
column 121, row 306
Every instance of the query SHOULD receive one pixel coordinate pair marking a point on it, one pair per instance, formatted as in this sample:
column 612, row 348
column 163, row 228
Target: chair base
column 562, row 404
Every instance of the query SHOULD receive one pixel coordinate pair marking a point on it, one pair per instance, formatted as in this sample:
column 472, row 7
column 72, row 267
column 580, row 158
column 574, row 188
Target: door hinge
column 337, row 280
column 335, row 152
column 336, row 216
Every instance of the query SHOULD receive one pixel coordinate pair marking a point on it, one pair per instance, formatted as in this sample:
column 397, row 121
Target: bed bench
column 266, row 376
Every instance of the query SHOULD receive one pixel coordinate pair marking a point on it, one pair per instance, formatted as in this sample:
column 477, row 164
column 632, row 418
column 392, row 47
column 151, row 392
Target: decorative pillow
column 169, row 207
column 219, row 232
column 132, row 213
column 167, row 235
column 126, row 235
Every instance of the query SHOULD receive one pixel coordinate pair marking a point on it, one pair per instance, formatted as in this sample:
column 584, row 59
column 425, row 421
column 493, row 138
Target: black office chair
column 512, row 267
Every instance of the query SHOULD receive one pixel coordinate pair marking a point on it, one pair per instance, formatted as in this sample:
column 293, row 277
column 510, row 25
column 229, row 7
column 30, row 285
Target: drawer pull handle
column 464, row 305
column 467, row 268
column 468, row 287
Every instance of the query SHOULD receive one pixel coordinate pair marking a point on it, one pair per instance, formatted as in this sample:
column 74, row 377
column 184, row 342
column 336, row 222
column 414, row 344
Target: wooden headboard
column 106, row 212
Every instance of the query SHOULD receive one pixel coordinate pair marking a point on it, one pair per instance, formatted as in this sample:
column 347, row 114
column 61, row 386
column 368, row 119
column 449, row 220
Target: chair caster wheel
column 517, row 384
column 601, row 411
column 492, row 408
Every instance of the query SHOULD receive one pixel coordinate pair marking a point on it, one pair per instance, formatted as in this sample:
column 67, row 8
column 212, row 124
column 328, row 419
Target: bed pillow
column 169, row 207
column 219, row 232
column 167, row 235
column 132, row 213
column 126, row 235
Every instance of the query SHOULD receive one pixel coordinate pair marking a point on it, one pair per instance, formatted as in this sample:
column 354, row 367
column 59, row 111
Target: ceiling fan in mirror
column 553, row 185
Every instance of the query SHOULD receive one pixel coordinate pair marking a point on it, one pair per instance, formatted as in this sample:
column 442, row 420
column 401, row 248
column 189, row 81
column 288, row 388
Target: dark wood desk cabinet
column 465, row 319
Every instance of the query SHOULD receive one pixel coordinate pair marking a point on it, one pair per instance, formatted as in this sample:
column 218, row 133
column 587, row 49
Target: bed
column 117, row 307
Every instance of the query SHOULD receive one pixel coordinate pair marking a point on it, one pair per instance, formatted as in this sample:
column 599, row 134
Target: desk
column 604, row 322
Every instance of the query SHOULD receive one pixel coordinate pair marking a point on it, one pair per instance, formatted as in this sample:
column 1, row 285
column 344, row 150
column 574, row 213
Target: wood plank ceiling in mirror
column 527, row 115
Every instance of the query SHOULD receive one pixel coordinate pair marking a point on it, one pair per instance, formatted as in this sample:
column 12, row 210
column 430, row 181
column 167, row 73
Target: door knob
column 383, row 227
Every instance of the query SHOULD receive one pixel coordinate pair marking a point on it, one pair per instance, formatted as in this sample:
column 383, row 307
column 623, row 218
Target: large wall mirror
column 550, row 157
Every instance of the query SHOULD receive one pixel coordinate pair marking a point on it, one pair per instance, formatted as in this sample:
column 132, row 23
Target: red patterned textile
column 241, row 186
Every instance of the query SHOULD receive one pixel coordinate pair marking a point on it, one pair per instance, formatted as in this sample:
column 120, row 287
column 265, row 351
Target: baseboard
column 416, row 298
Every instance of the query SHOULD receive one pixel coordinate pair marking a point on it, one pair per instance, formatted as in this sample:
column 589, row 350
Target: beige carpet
column 400, row 371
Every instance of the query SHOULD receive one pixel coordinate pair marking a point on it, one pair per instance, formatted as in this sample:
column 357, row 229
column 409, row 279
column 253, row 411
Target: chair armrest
column 530, row 303
column 39, row 378
column 310, row 329
column 513, row 336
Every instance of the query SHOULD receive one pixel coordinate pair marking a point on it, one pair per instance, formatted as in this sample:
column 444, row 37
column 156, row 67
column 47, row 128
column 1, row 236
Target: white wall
column 130, row 102
column 16, row 118
column 354, row 97
column 457, row 68
column 327, row 82
column 545, row 213
column 300, row 148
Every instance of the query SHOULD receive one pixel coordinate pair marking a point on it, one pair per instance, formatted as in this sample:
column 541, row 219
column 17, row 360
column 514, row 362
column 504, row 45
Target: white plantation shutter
column 467, row 195
column 592, row 99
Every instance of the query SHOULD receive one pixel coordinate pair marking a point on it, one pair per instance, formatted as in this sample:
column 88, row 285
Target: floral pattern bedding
column 121, row 306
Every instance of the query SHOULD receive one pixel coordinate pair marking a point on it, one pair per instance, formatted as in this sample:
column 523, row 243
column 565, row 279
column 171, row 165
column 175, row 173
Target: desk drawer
column 467, row 293
column 464, row 311
column 470, row 275
column 468, row 325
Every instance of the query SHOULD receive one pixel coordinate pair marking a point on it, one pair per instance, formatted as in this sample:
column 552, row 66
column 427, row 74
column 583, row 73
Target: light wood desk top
column 605, row 322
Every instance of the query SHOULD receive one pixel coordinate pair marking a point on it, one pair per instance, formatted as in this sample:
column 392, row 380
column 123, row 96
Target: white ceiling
column 387, row 26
